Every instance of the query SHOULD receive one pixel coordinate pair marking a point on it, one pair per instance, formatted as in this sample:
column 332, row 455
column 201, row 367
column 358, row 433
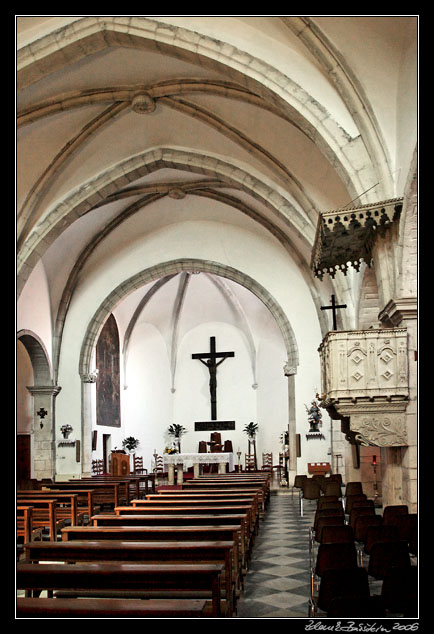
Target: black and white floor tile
column 277, row 584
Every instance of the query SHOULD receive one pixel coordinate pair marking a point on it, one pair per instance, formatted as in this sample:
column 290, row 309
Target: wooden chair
column 228, row 448
column 202, row 446
column 138, row 465
column 250, row 462
column 267, row 461
column 215, row 446
column 97, row 467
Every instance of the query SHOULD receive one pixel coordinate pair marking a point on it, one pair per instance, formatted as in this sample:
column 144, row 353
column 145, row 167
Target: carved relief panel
column 365, row 378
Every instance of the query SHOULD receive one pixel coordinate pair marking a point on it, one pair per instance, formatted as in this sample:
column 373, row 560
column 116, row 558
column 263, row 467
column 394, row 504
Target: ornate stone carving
column 143, row 103
column 364, row 378
column 382, row 430
column 91, row 377
column 289, row 370
column 345, row 237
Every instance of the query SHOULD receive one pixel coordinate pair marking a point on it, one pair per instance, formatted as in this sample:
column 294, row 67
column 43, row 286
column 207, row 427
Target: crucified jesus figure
column 212, row 367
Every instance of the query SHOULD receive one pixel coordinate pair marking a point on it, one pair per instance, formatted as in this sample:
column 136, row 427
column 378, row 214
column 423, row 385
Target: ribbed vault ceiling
column 117, row 115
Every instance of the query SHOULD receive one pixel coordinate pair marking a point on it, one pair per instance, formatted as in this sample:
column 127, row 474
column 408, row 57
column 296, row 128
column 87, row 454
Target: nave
column 273, row 569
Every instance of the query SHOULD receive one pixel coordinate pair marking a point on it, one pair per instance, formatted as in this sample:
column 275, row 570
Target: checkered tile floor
column 277, row 584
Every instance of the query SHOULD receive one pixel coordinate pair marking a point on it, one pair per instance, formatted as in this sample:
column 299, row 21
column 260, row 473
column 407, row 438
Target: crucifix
column 212, row 364
column 333, row 307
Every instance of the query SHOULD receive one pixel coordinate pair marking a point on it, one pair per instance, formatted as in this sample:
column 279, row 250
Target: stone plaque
column 215, row 425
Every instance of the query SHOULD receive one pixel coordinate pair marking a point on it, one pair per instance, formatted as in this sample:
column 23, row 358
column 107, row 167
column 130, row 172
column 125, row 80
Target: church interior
column 217, row 277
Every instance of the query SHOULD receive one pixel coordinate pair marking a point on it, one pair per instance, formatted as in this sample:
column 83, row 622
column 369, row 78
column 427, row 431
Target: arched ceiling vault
column 115, row 113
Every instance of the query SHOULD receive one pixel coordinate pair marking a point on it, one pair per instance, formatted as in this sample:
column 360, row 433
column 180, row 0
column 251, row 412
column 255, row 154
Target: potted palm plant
column 176, row 431
column 130, row 444
column 251, row 430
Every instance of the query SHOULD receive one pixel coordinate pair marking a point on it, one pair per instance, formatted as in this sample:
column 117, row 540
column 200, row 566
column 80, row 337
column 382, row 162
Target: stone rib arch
column 38, row 356
column 94, row 33
column 173, row 267
column 84, row 198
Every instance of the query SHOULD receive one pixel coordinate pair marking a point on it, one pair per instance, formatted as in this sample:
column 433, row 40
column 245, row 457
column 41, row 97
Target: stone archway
column 157, row 272
column 43, row 392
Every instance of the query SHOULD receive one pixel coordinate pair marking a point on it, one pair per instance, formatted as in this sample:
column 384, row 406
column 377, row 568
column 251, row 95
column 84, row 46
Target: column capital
column 398, row 310
column 44, row 390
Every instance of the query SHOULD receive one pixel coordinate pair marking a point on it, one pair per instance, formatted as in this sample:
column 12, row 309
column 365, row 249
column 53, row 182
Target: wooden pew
column 28, row 608
column 43, row 515
column 261, row 484
column 190, row 520
column 25, row 528
column 145, row 552
column 110, row 493
column 253, row 496
column 209, row 532
column 66, row 504
column 180, row 508
column 123, row 580
column 250, row 506
column 139, row 484
column 86, row 504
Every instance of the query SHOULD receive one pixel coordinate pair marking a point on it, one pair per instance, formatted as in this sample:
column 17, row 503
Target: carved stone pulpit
column 364, row 382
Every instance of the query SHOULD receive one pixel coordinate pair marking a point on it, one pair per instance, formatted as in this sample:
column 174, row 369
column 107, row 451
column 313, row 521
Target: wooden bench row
column 123, row 580
column 149, row 552
column 202, row 527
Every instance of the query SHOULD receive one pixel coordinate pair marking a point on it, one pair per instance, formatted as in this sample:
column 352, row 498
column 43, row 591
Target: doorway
column 106, row 448
column 23, row 460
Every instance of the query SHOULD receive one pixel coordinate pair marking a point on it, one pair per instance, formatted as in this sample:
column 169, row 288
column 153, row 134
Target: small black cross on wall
column 333, row 308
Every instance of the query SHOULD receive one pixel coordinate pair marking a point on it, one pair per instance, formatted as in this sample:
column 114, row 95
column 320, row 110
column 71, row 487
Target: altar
column 196, row 460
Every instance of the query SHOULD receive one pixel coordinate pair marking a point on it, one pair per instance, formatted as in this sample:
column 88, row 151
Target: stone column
column 290, row 372
column 402, row 313
column 44, row 435
column 392, row 476
column 171, row 473
column 87, row 380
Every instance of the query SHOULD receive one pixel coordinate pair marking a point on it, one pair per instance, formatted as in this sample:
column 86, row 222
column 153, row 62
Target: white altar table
column 196, row 460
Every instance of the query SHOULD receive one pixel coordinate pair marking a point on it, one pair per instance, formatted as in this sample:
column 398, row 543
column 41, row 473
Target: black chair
column 333, row 556
column 336, row 534
column 362, row 523
column 385, row 555
column 406, row 524
column 342, row 583
column 357, row 607
column 350, row 500
column 325, row 499
column 390, row 513
column 359, row 510
column 337, row 477
column 332, row 488
column 311, row 491
column 327, row 513
column 353, row 488
column 399, row 591
column 334, row 521
column 379, row 534
column 298, row 482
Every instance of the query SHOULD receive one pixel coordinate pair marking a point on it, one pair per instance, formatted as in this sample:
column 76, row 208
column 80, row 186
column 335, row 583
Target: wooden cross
column 211, row 364
column 333, row 307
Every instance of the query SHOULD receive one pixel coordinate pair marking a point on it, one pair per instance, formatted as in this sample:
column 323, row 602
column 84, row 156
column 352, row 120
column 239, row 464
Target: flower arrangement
column 170, row 450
